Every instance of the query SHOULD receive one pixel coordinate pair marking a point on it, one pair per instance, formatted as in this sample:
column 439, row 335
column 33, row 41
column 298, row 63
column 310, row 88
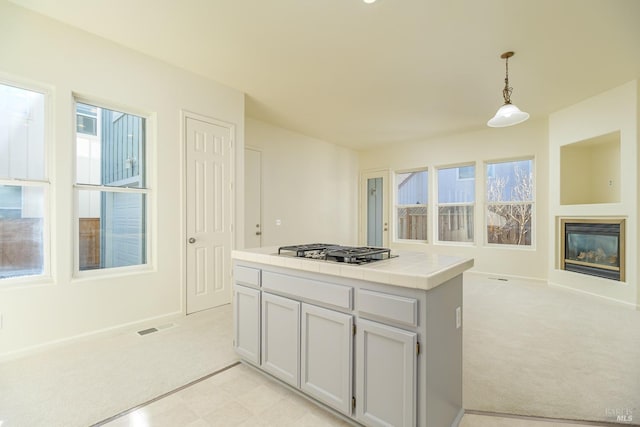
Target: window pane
column 412, row 223
column 21, row 231
column 510, row 196
column 113, row 155
column 510, row 181
column 453, row 189
column 112, row 229
column 509, row 224
column 411, row 205
column 455, row 223
column 21, row 133
column 412, row 188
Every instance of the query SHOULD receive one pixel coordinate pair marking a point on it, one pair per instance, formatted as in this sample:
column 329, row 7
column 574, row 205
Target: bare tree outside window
column 510, row 196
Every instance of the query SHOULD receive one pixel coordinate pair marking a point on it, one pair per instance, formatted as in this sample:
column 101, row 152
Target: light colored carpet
column 88, row 381
column 530, row 349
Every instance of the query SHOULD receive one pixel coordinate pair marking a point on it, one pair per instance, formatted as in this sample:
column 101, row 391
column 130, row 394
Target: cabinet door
column 385, row 375
column 246, row 323
column 326, row 351
column 281, row 338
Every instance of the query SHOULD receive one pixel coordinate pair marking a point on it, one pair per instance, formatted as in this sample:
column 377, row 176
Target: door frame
column 184, row 116
column 259, row 150
column 362, row 205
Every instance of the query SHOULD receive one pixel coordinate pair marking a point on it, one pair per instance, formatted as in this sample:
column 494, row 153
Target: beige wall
column 67, row 61
column 526, row 140
column 308, row 184
column 613, row 111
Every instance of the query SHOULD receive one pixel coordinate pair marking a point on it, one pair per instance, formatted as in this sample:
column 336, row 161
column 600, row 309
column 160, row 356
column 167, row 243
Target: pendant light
column 508, row 114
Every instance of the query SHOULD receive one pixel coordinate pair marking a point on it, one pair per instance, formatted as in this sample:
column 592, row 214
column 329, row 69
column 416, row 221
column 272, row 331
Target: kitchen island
column 378, row 343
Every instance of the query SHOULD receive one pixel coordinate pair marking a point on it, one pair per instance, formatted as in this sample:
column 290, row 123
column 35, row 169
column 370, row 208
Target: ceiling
column 361, row 75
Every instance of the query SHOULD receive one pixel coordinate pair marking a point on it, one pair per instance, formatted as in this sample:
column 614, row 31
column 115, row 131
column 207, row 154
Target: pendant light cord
column 506, row 92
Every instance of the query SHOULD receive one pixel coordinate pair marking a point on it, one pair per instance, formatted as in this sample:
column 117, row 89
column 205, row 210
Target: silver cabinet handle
column 192, row 240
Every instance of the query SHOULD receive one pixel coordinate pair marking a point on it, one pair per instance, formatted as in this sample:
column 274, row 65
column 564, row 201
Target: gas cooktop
column 337, row 253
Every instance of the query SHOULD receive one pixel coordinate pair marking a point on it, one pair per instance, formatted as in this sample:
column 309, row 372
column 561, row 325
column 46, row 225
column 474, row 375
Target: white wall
column 612, row 111
column 308, row 184
column 525, row 140
column 66, row 60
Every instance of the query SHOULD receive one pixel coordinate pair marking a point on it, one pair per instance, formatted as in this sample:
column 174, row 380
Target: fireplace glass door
column 594, row 247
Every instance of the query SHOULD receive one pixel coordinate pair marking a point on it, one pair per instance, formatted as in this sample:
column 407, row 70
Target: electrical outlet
column 278, row 222
column 458, row 317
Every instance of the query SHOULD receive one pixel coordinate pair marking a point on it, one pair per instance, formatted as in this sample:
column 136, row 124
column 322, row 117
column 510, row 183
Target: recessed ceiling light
column 369, row 1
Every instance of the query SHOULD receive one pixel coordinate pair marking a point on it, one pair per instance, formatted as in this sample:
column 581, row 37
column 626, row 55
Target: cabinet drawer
column 246, row 275
column 313, row 290
column 381, row 306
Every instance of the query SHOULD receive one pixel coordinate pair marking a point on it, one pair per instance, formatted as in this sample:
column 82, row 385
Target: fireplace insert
column 593, row 246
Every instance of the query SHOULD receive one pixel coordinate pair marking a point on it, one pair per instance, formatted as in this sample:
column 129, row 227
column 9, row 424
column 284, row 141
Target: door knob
column 192, row 240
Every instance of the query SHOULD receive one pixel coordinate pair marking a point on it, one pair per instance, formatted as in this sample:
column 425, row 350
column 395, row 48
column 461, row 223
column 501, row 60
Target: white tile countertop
column 416, row 270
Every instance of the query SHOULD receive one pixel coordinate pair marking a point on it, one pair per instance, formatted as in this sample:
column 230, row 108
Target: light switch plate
column 458, row 317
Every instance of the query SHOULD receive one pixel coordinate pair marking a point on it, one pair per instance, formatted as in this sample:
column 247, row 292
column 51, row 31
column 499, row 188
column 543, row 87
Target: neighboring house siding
column 451, row 189
column 123, row 224
column 412, row 190
column 121, row 147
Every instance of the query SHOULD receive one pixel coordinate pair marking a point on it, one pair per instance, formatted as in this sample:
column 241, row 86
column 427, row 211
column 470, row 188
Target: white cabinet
column 386, row 360
column 281, row 338
column 246, row 331
column 326, row 356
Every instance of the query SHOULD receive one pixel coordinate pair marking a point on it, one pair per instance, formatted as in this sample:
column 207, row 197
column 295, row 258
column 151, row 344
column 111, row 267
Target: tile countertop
column 416, row 270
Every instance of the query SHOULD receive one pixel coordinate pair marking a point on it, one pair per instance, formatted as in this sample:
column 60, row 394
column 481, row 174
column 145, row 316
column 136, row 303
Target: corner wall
column 308, row 184
column 525, row 140
column 611, row 111
column 46, row 52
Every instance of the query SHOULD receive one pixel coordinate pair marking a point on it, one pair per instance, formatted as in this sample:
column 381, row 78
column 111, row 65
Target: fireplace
column 593, row 246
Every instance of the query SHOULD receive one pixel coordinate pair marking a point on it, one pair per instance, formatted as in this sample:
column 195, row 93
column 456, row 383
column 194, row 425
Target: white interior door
column 209, row 214
column 374, row 207
column 252, row 198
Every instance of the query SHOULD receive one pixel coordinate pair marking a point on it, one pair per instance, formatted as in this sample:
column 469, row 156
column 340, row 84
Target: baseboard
column 591, row 294
column 456, row 422
column 49, row 345
column 546, row 282
column 500, row 276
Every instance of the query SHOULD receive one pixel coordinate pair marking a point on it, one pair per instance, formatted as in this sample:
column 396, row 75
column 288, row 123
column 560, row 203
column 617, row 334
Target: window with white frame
column 510, row 201
column 24, row 185
column 456, row 203
column 411, row 205
column 111, row 191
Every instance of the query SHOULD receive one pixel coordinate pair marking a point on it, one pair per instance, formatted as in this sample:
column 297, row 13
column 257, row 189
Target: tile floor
column 240, row 396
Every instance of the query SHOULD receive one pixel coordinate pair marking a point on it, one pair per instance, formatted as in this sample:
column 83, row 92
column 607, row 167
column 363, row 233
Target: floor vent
column 147, row 331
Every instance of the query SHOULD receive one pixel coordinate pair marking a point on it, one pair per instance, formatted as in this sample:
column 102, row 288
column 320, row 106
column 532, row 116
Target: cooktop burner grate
column 338, row 253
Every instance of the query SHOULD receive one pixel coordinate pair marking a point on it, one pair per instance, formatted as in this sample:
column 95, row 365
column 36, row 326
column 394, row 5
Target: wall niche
column 590, row 171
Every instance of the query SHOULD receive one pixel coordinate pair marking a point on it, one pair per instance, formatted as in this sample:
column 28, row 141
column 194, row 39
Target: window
column 456, row 203
column 23, row 183
column 510, row 198
column 111, row 190
column 411, row 205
